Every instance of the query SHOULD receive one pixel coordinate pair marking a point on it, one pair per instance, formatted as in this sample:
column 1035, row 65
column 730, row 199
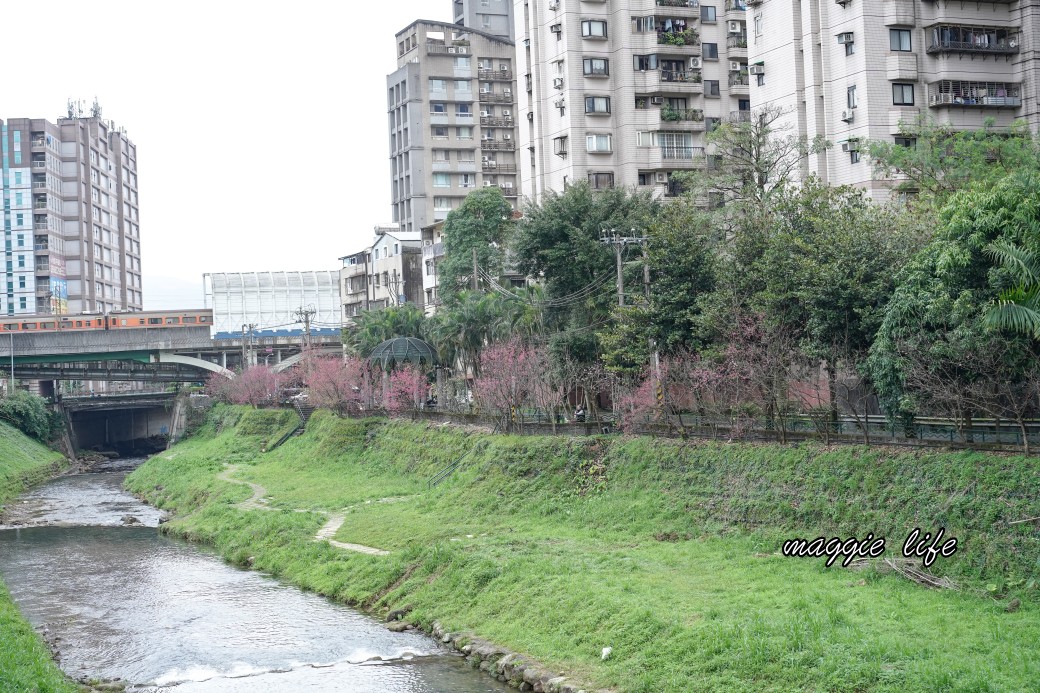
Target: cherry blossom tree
column 406, row 389
column 258, row 386
column 507, row 374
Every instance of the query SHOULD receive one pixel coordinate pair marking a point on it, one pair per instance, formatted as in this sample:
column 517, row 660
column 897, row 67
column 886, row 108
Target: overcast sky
column 260, row 126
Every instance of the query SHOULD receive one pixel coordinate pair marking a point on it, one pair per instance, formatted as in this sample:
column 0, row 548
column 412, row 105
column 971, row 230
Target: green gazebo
column 403, row 350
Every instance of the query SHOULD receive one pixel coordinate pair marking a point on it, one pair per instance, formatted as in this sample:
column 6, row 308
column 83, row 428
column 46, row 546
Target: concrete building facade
column 451, row 115
column 851, row 71
column 71, row 225
column 386, row 273
column 490, row 16
column 623, row 93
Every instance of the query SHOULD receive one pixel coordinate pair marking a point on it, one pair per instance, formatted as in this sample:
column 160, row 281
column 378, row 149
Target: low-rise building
column 386, row 273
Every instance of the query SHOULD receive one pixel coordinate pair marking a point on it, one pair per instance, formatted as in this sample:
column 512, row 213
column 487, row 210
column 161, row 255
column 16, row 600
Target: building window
column 850, row 97
column 467, row 180
column 462, row 86
column 899, row 39
column 710, row 51
column 441, row 180
column 597, row 104
column 597, row 143
column 593, row 28
column 560, row 146
column 854, row 156
column 438, row 85
column 711, row 87
column 908, row 142
column 440, row 133
column 758, row 25
column 642, row 63
column 464, row 133
column 442, row 204
column 461, row 62
column 463, row 110
column 440, row 155
column 707, row 13
column 761, row 80
column 850, row 48
column 601, row 181
column 595, row 67
column 466, row 155
column 438, row 108
column 903, row 94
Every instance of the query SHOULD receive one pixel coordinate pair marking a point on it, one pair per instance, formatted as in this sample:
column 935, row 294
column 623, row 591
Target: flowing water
column 123, row 602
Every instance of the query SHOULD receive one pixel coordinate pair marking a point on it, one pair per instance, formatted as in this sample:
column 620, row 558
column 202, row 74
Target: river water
column 124, row 602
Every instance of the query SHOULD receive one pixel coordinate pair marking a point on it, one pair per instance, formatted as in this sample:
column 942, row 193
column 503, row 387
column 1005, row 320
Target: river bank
column 665, row 552
column 25, row 662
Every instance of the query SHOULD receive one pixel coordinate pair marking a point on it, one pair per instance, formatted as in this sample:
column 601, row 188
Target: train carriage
column 110, row 321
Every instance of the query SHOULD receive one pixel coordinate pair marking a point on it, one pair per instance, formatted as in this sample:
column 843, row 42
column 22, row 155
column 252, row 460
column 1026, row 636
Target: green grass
column 665, row 551
column 25, row 662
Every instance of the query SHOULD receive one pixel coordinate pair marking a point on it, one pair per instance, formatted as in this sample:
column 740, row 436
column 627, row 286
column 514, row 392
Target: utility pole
column 11, row 390
column 304, row 315
column 474, row 279
column 247, row 345
column 646, row 290
column 619, row 242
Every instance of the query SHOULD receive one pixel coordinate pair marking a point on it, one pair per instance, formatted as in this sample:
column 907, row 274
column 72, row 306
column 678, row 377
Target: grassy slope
column 25, row 663
column 574, row 548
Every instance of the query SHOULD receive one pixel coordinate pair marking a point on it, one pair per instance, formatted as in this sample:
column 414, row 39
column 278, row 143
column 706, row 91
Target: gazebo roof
column 403, row 350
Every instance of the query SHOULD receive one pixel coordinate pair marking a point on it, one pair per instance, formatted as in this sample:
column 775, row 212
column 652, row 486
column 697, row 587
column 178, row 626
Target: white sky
column 260, row 126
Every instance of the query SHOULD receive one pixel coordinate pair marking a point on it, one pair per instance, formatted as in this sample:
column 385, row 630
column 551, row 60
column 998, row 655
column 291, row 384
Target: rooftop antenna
column 71, row 106
column 95, row 110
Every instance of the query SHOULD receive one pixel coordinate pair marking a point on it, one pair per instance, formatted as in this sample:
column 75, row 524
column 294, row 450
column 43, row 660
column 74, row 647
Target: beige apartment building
column 851, row 71
column 451, row 111
column 490, row 16
column 386, row 273
column 72, row 237
column 623, row 93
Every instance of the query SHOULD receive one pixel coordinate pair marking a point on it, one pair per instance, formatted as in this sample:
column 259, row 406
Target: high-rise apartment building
column 851, row 71
column 451, row 105
column 71, row 228
column 490, row 16
column 622, row 93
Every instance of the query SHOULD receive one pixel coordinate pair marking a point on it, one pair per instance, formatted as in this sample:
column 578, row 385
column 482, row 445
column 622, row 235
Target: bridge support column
column 223, row 359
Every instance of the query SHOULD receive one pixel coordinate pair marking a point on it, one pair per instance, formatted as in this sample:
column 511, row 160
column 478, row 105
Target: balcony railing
column 494, row 97
column 680, row 76
column 739, row 79
column 508, row 190
column 495, row 167
column 670, row 151
column 737, row 5
column 39, row 142
column 493, row 121
column 737, row 41
column 434, row 250
column 669, row 114
column 950, row 38
column 41, row 225
column 678, row 3
column 981, row 94
column 39, row 184
column 435, row 48
column 495, row 74
column 740, row 116
column 497, row 145
column 39, row 164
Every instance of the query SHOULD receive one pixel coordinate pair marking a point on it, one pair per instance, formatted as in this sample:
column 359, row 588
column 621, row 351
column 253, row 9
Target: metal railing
column 494, row 74
column 670, row 151
column 678, row 3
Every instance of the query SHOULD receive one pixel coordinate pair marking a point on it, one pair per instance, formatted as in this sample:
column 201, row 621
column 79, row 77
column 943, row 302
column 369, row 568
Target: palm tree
column 1018, row 308
column 373, row 327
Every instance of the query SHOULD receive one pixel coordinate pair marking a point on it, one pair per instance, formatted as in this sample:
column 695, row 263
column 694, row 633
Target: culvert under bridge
column 129, row 425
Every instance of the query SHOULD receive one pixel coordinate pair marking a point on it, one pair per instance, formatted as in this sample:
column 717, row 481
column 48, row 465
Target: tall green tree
column 1016, row 252
column 484, row 223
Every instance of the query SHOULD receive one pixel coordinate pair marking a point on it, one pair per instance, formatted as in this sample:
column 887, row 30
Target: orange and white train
column 110, row 321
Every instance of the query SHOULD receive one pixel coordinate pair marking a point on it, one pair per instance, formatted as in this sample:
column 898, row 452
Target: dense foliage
column 29, row 414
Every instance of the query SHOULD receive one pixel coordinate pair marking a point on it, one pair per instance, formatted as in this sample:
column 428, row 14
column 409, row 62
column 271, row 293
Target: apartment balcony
column 683, row 153
column 736, row 5
column 496, row 97
column 680, row 4
column 739, row 83
column 494, row 122
column 39, row 142
column 40, row 225
column 39, row 184
column 740, row 116
column 973, row 40
column 433, row 251
column 688, row 77
column 682, row 115
column 497, row 145
column 508, row 190
column 495, row 167
column 529, row 84
column 736, row 45
column 963, row 93
column 37, row 163
column 441, row 48
column 688, row 38
column 495, row 75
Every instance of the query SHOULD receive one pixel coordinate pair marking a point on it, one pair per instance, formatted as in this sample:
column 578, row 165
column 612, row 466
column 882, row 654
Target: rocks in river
column 398, row 614
column 398, row 626
column 129, row 521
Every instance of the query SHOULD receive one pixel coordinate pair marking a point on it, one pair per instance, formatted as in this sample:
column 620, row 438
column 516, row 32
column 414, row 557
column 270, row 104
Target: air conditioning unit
column 507, row 91
column 506, row 113
column 845, row 37
column 485, row 159
column 657, row 100
column 507, row 185
column 492, row 164
column 554, row 5
column 734, row 66
column 488, row 184
column 507, row 136
column 503, row 67
column 556, row 28
column 851, row 145
column 848, row 116
column 485, row 114
column 661, row 177
column 485, row 90
column 757, row 69
column 559, row 103
column 734, row 27
column 695, row 63
column 451, row 49
column 557, row 82
column 530, row 115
